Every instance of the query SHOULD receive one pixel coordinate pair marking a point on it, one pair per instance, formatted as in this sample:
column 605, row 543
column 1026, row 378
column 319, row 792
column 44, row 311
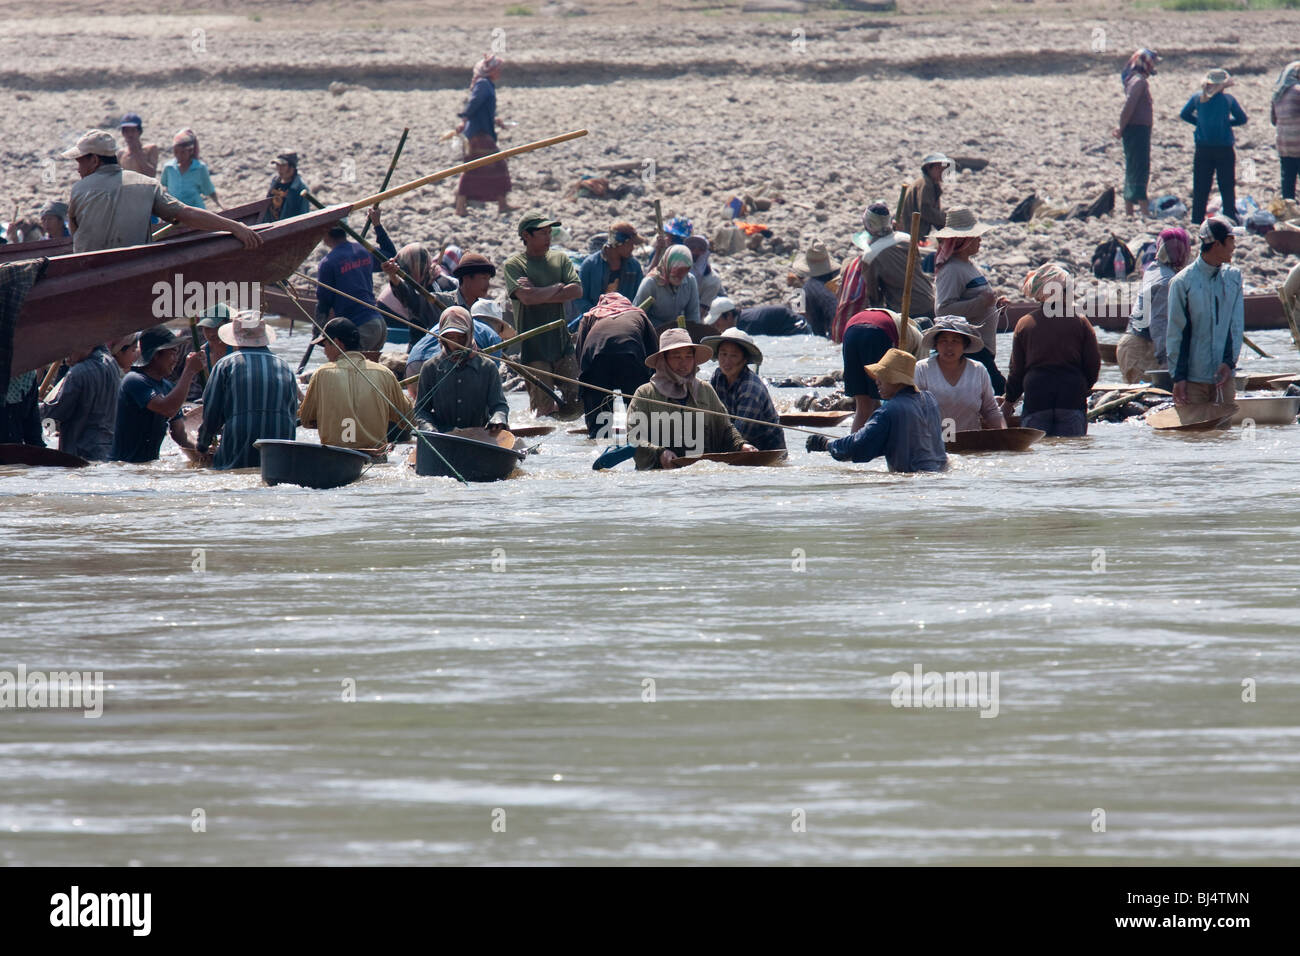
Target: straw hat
column 247, row 330
column 954, row 324
column 961, row 223
column 816, row 261
column 896, row 367
column 676, row 338
column 736, row 337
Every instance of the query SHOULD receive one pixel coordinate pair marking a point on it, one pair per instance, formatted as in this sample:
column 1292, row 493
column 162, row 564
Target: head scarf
column 953, row 246
column 416, row 262
column 1049, row 279
column 451, row 258
column 1143, row 61
column 673, row 257
column 485, row 67
column 187, row 135
column 456, row 319
column 674, row 386
column 877, row 220
column 1174, row 247
column 611, row 304
column 1289, row 77
column 1215, row 82
column 699, row 247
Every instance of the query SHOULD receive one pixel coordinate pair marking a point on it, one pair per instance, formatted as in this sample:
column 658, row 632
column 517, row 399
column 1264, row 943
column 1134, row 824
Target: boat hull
column 308, row 464
column 472, row 460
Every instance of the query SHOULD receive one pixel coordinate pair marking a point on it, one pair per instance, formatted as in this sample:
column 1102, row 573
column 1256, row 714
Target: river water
column 503, row 643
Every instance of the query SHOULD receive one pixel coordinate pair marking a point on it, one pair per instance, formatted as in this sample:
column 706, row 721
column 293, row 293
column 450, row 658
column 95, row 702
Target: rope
column 525, row 370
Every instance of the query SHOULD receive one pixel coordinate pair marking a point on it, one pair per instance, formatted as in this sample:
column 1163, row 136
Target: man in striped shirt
column 252, row 394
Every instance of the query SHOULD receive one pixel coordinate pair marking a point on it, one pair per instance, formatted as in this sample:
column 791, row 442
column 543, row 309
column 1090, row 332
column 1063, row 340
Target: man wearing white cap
column 1207, row 319
column 112, row 206
column 252, row 394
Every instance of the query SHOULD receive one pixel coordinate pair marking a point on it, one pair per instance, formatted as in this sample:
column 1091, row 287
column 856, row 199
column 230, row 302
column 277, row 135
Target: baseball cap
column 1215, row 229
column 131, row 119
column 535, row 220
column 95, row 142
column 343, row 332
column 215, row 317
column 155, row 340
column 286, row 157
column 623, row 231
column 720, row 307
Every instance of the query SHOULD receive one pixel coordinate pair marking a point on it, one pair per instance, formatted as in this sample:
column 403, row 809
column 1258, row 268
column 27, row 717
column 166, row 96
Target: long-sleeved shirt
column 348, row 268
column 1150, row 316
column 1213, row 119
column 669, row 303
column 884, row 277
column 630, row 334
column 923, row 197
column 85, row 406
column 1055, row 360
column 251, row 394
column 356, row 390
column 285, row 200
column 1285, row 114
column 480, row 112
column 189, row 186
column 907, row 430
column 960, row 288
column 748, row 397
column 465, row 394
column 970, row 403
column 1137, row 102
column 596, row 275
column 681, row 426
column 1207, row 318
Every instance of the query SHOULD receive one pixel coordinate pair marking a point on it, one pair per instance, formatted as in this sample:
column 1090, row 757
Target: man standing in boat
column 111, row 206
column 1207, row 320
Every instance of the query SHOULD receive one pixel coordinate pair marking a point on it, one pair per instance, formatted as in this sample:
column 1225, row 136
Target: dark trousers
column 1290, row 170
column 626, row 372
column 1137, row 162
column 985, row 358
column 1209, row 163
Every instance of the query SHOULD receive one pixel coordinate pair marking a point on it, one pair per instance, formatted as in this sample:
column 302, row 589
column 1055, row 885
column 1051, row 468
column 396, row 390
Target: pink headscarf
column 491, row 63
column 611, row 304
column 1174, row 247
column 952, row 246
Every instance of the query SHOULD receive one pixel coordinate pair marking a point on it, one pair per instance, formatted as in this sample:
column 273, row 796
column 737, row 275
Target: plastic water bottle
column 620, row 418
column 1121, row 269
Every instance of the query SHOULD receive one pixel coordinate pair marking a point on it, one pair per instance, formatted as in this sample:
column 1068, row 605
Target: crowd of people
column 612, row 323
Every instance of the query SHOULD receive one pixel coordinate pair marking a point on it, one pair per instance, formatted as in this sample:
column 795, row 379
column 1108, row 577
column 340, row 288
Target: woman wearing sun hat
column 1214, row 113
column 668, row 415
column 961, row 387
column 923, row 196
column 961, row 289
column 742, row 391
column 907, row 429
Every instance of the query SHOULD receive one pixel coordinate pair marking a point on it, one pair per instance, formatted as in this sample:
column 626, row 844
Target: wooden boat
column 814, row 419
column 97, row 296
column 973, row 163
column 1263, row 311
column 1266, row 410
column 575, row 431
column 1285, row 241
column 309, row 464
column 249, row 214
column 1189, row 418
column 472, row 459
column 1281, row 382
column 993, row 439
column 753, row 459
column 37, row 456
column 533, row 431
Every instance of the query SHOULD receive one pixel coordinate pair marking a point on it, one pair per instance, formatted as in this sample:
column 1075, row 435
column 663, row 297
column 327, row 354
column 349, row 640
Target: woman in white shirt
column 961, row 386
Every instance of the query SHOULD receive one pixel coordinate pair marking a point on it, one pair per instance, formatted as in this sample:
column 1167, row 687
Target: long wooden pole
column 911, row 269
column 388, row 177
column 502, row 346
column 47, row 383
column 464, row 168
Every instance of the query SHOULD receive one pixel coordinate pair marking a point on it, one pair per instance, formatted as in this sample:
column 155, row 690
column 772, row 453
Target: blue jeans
column 1058, row 422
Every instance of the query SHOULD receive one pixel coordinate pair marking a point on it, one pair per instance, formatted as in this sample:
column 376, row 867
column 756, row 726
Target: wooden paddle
column 749, row 458
column 907, row 280
column 1262, row 354
column 47, row 382
column 388, row 176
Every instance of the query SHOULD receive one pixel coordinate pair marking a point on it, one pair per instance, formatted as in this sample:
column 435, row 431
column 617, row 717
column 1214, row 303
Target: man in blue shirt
column 612, row 268
column 148, row 405
column 1214, row 113
column 1207, row 319
column 348, row 268
column 906, row 429
column 285, row 198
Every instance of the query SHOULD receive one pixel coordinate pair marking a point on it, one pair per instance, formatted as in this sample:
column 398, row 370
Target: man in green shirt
column 540, row 282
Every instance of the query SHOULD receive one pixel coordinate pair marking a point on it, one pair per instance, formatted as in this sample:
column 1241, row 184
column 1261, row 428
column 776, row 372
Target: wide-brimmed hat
column 155, row 340
column 247, row 330
column 896, row 367
column 214, row 317
column 676, row 338
column 816, row 261
column 95, row 142
column 1218, row 77
column 958, row 326
column 719, row 307
column 736, row 337
column 472, row 263
column 933, row 158
column 962, row 224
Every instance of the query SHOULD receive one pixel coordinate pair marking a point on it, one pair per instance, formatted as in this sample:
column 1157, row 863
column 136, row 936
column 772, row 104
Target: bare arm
column 197, row 218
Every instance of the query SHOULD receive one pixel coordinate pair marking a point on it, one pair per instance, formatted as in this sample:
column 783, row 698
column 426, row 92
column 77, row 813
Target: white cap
column 487, row 307
column 720, row 307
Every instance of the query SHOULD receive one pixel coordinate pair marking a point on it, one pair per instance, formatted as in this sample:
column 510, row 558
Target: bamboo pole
column 911, row 269
column 464, row 168
column 388, row 177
